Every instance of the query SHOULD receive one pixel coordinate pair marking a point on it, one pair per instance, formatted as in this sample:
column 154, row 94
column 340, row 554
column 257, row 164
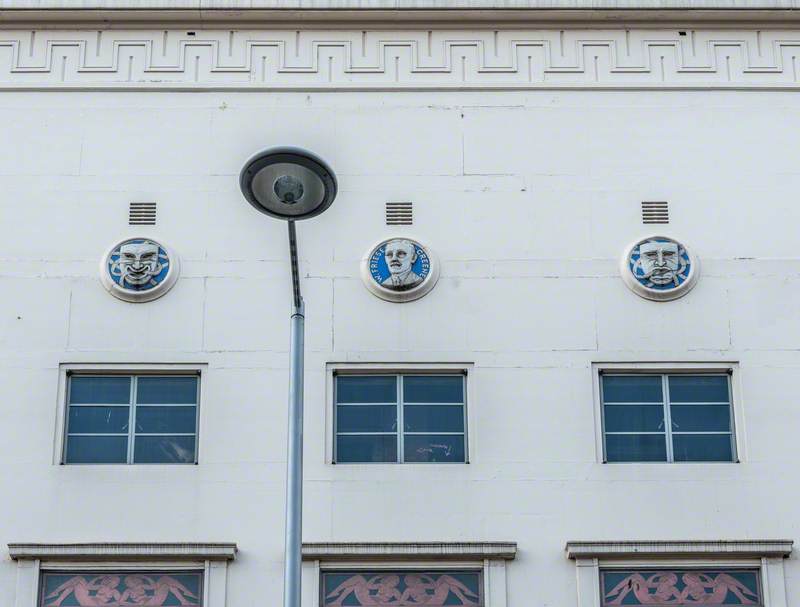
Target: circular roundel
column 659, row 268
column 399, row 269
column 139, row 269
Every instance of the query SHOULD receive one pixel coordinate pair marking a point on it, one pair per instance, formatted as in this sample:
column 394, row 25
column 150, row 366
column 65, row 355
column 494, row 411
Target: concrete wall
column 528, row 197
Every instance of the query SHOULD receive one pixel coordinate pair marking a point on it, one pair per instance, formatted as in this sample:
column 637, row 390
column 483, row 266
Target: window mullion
column 667, row 418
column 401, row 456
column 131, row 418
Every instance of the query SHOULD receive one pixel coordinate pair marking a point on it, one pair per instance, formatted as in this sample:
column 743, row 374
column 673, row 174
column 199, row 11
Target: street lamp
column 291, row 184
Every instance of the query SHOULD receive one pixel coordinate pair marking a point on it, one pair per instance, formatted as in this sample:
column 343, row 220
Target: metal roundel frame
column 416, row 292
column 140, row 296
column 659, row 294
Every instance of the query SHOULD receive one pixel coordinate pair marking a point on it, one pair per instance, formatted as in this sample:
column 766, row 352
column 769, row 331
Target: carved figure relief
column 399, row 269
column 402, row 589
column 121, row 590
column 693, row 587
column 139, row 269
column 659, row 268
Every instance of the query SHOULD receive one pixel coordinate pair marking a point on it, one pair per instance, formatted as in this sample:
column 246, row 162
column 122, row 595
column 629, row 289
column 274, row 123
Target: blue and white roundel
column 139, row 269
column 399, row 264
column 138, row 264
column 661, row 264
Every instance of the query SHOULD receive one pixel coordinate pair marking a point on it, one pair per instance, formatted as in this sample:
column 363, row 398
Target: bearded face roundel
column 659, row 268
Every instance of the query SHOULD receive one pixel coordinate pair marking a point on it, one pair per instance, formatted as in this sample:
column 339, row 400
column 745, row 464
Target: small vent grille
column 399, row 213
column 655, row 212
column 142, row 214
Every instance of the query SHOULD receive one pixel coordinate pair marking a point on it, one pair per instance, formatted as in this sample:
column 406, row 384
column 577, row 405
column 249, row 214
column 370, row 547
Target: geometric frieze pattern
column 386, row 60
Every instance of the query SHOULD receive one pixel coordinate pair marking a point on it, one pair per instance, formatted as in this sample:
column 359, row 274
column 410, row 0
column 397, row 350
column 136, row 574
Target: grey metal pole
column 294, row 462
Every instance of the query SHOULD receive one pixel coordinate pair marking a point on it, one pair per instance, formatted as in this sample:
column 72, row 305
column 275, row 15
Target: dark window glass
column 102, row 390
column 698, row 408
column 366, row 389
column 661, row 587
column 434, row 448
column 137, row 587
column 433, row 389
column 369, row 448
column 433, row 418
column 366, row 418
column 166, row 390
column 175, row 413
column 430, row 407
column 698, row 388
column 701, row 418
column 98, row 420
column 360, row 588
column 636, row 448
column 634, row 418
column 702, row 447
column 97, row 449
column 632, row 389
column 163, row 450
column 165, row 420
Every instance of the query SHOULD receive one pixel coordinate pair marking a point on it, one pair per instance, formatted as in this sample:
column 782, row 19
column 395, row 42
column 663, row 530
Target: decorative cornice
column 365, row 551
column 443, row 59
column 689, row 548
column 124, row 551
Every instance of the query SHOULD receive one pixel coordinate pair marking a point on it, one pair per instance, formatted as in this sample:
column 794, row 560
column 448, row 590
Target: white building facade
column 579, row 394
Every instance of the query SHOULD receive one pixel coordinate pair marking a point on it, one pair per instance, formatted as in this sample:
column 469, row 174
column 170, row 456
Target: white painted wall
column 527, row 196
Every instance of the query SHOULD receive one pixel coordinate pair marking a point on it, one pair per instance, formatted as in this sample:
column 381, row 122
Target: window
column 667, row 418
column 400, row 418
column 662, row 587
column 384, row 588
column 121, row 574
column 133, row 419
column 661, row 573
column 121, row 588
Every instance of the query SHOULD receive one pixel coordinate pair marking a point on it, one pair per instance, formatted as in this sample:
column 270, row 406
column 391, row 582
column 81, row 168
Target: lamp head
column 288, row 183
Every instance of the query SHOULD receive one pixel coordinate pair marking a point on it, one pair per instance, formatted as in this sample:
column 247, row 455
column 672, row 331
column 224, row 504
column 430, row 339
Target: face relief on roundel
column 399, row 269
column 139, row 269
column 659, row 268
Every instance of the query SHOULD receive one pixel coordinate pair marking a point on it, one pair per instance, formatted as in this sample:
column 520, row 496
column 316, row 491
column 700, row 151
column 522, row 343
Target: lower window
column 396, row 588
column 667, row 587
column 120, row 588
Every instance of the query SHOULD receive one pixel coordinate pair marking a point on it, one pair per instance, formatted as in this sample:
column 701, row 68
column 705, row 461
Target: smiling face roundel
column 139, row 269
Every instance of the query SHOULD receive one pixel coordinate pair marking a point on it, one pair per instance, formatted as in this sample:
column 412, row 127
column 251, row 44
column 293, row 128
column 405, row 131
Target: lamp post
column 291, row 184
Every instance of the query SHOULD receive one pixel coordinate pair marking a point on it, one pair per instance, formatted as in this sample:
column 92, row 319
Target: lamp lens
column 288, row 189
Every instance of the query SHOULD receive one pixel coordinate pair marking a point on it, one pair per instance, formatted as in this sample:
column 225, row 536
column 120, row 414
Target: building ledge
column 669, row 548
column 124, row 551
column 364, row 551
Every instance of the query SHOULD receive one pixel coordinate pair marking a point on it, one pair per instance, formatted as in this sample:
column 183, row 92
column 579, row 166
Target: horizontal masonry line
column 201, row 88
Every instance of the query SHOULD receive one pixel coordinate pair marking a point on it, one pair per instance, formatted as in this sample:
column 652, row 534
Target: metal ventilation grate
column 142, row 214
column 399, row 213
column 655, row 212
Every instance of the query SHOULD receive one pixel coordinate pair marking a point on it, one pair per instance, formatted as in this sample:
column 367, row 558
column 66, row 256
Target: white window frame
column 210, row 559
column 332, row 369
column 765, row 555
column 677, row 368
column 67, row 369
column 488, row 557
